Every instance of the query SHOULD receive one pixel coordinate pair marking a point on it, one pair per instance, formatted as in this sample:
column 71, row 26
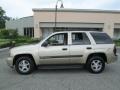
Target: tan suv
column 93, row 49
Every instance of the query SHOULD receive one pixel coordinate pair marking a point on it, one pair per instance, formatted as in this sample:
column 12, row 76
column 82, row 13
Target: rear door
column 80, row 44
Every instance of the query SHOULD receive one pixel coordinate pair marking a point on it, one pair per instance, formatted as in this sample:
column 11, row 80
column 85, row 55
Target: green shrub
column 117, row 42
column 13, row 34
column 10, row 38
column 33, row 40
column 3, row 45
column 26, row 39
column 8, row 34
column 4, row 34
column 22, row 39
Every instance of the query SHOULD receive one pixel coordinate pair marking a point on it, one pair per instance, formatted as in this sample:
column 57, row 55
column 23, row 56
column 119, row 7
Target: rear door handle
column 88, row 48
column 64, row 49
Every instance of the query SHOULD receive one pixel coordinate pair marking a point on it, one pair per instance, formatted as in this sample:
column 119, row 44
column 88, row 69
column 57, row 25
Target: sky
column 22, row 8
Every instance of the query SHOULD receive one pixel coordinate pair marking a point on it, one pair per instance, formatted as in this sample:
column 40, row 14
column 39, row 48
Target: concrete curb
column 4, row 49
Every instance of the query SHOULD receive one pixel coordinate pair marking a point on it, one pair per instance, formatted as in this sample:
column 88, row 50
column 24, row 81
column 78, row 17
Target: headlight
column 9, row 53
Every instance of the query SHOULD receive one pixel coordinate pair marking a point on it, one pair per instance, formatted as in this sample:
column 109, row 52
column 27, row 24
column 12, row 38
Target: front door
column 56, row 51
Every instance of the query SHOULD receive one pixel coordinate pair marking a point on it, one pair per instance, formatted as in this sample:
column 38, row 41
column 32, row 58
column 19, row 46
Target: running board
column 64, row 66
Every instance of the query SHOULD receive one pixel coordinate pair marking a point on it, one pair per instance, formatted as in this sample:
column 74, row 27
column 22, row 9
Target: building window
column 25, row 34
column 29, row 31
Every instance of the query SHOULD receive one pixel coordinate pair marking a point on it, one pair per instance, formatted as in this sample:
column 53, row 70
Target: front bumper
column 10, row 62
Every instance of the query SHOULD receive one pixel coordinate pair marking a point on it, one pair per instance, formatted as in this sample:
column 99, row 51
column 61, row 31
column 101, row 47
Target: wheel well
column 17, row 56
column 98, row 54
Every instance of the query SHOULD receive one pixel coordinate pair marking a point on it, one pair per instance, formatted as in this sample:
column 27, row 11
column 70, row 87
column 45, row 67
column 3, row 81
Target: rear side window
column 101, row 38
column 80, row 39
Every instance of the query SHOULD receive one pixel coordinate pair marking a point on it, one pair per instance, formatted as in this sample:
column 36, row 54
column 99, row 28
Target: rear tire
column 24, row 65
column 95, row 64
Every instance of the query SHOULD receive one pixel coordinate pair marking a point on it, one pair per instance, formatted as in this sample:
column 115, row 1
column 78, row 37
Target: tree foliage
column 3, row 18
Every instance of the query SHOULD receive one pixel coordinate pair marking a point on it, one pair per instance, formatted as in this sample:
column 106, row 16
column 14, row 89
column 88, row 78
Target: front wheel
column 96, row 64
column 24, row 65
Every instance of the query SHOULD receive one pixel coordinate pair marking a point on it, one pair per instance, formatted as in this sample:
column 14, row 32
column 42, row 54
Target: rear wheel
column 95, row 64
column 24, row 65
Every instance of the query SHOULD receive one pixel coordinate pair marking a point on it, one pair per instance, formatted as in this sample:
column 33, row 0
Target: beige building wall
column 109, row 18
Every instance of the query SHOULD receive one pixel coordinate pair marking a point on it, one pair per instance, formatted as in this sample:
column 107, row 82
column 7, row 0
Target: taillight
column 115, row 50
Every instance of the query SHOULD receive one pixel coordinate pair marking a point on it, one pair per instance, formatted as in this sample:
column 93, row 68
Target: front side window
column 80, row 39
column 101, row 38
column 58, row 39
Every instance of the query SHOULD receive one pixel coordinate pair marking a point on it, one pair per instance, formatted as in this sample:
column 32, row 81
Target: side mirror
column 45, row 44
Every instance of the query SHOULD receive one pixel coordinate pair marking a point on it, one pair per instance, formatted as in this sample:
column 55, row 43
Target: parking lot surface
column 68, row 79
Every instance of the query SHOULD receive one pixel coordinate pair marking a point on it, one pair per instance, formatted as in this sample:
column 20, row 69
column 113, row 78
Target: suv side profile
column 93, row 49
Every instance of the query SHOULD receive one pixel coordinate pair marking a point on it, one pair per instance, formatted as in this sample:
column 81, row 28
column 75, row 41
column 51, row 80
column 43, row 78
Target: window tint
column 58, row 39
column 101, row 38
column 80, row 39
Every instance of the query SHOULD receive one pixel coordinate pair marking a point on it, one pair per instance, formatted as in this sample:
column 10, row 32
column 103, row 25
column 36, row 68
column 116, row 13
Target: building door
column 116, row 33
column 46, row 32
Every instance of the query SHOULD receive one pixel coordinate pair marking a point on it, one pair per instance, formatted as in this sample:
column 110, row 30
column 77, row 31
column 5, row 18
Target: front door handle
column 88, row 48
column 64, row 49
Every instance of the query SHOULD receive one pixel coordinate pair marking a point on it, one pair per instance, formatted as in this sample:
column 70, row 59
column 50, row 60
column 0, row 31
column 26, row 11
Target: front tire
column 95, row 64
column 24, row 65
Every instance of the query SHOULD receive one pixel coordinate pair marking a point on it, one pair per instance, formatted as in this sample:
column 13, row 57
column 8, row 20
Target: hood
column 24, row 48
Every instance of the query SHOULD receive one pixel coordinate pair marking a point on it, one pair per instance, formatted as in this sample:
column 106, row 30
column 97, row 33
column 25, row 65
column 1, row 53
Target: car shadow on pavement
column 108, row 69
column 81, row 70
column 66, row 70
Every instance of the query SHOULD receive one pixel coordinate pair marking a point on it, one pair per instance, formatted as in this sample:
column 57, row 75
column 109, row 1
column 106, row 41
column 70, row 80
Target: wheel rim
column 24, row 66
column 96, row 65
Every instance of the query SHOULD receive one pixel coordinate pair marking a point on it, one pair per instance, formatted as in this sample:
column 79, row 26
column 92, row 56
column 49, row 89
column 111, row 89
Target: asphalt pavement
column 68, row 79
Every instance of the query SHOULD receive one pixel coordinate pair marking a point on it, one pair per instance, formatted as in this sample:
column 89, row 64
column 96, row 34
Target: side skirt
column 60, row 66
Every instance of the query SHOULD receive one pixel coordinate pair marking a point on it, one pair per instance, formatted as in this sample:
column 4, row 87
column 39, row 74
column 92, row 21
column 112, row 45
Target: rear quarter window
column 101, row 38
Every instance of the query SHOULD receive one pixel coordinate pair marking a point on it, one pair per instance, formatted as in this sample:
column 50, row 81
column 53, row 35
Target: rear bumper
column 10, row 62
column 112, row 59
